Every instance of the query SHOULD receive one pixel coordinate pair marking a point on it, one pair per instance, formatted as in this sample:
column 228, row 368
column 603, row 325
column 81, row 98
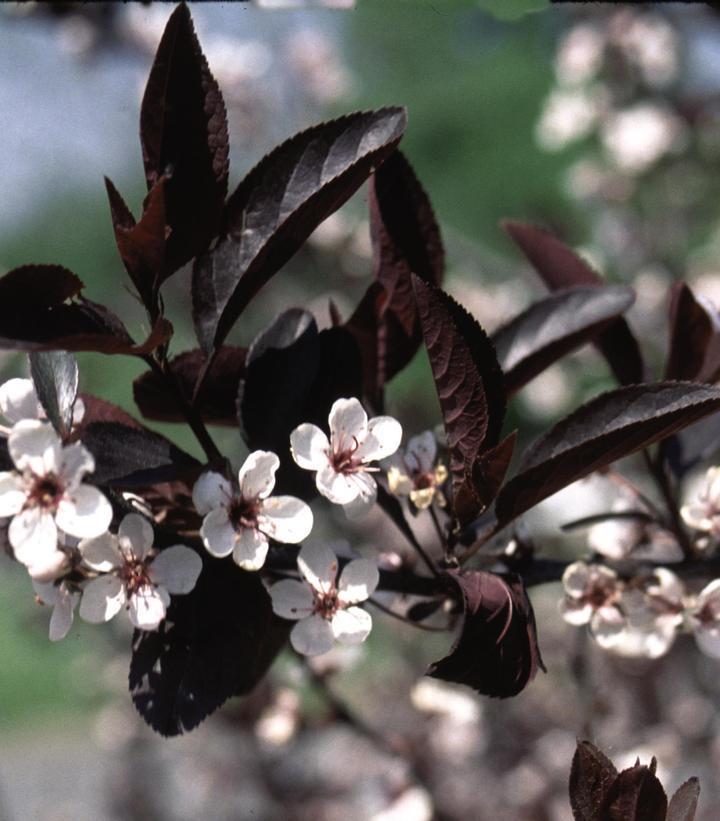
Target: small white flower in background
column 45, row 493
column 324, row 606
column 704, row 513
column 134, row 575
column 638, row 137
column 19, row 400
column 343, row 462
column 415, row 474
column 617, row 539
column 63, row 601
column 592, row 594
column 705, row 619
column 242, row 521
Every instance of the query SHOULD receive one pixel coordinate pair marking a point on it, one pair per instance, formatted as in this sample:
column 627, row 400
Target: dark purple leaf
column 217, row 642
column 559, row 267
column 279, row 204
column 635, row 795
column 183, row 130
column 497, row 652
column 555, row 326
column 217, row 402
column 100, row 410
column 55, row 376
column 591, row 776
column 469, row 385
column 691, row 330
column 605, row 429
column 683, row 804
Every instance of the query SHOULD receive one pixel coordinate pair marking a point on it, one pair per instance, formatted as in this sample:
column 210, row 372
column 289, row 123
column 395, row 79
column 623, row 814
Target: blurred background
column 601, row 122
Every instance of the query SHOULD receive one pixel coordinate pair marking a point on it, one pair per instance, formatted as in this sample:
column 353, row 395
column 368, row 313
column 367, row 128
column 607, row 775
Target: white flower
column 323, row 608
column 619, row 538
column 592, row 593
column 704, row 514
column 342, row 463
column 134, row 575
column 705, row 619
column 63, row 601
column 19, row 400
column 638, row 137
column 242, row 521
column 45, row 493
column 415, row 474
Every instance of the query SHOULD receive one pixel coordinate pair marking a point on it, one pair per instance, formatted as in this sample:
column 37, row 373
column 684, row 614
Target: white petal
column 709, row 592
column 176, row 569
column 12, row 493
column 102, row 598
column 257, row 475
column 363, row 502
column 49, row 566
column 708, row 640
column 285, row 519
column 135, row 536
column 250, row 549
column 575, row 613
column 218, row 534
column 84, row 513
column 62, row 614
column 608, row 627
column 697, row 516
column 47, row 592
column 309, row 447
column 339, row 488
column 421, row 452
column 348, row 422
column 147, row 607
column 18, row 400
column 78, row 412
column 312, row 636
column 210, row 491
column 101, row 552
column 351, row 626
column 75, row 462
column 614, row 539
column 319, row 565
column 32, row 535
column 36, row 446
column 291, row 599
column 358, row 581
column 383, row 438
column 713, row 486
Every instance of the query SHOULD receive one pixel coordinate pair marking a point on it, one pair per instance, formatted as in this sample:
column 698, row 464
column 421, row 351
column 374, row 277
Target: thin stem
column 626, row 483
column 492, row 530
column 439, row 530
column 393, row 509
column 657, row 471
column 404, row 619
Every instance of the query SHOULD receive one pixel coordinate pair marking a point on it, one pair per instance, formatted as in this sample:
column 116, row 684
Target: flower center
column 134, row 574
column 326, row 604
column 46, row 492
column 243, row 513
column 601, row 593
column 423, row 481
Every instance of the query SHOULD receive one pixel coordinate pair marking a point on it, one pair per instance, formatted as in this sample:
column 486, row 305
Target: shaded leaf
column 55, row 376
column 490, row 468
column 605, row 429
column 183, row 131
column 555, row 326
column 683, row 804
column 469, row 385
column 691, row 330
column 423, row 610
column 279, row 204
column 100, row 410
column 217, row 402
column 559, row 267
column 591, row 776
column 217, row 642
column 635, row 795
column 497, row 652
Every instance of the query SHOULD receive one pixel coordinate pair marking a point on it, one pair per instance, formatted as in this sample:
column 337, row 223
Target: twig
column 657, row 471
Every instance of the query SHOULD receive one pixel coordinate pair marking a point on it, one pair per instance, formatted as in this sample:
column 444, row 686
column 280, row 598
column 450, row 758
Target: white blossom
column 705, row 619
column 619, row 538
column 241, row 521
column 342, row 463
column 592, row 593
column 414, row 473
column 323, row 605
column 19, row 400
column 135, row 576
column 45, row 493
column 638, row 137
column 704, row 513
column 63, row 600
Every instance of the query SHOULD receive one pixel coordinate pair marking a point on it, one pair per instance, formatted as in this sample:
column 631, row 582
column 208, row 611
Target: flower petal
column 12, row 493
column 421, row 451
column 49, row 566
column 257, row 475
column 176, row 569
column 365, row 499
column 210, row 491
column 33, row 535
column 348, row 422
column 575, row 612
column 18, row 400
column 35, row 446
column 358, row 581
column 85, row 513
column 135, row 536
column 383, row 438
column 312, row 636
column 62, row 614
column 291, row 599
column 250, row 549
column 285, row 519
column 147, row 607
column 101, row 553
column 319, row 565
column 218, row 534
column 708, row 640
column 351, row 626
column 309, row 447
column 75, row 461
column 339, row 488
column 102, row 598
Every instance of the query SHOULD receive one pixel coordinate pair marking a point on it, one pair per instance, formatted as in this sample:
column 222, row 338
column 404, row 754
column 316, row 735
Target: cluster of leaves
column 219, row 640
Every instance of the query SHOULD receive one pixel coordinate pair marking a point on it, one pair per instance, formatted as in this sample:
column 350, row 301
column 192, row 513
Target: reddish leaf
column 497, row 653
column 555, row 326
column 591, row 777
column 605, row 429
column 183, row 130
column 490, row 468
column 100, row 410
column 683, row 805
column 559, row 267
column 279, row 204
column 469, row 385
column 31, row 288
column 635, row 795
column 216, row 404
column 694, row 345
